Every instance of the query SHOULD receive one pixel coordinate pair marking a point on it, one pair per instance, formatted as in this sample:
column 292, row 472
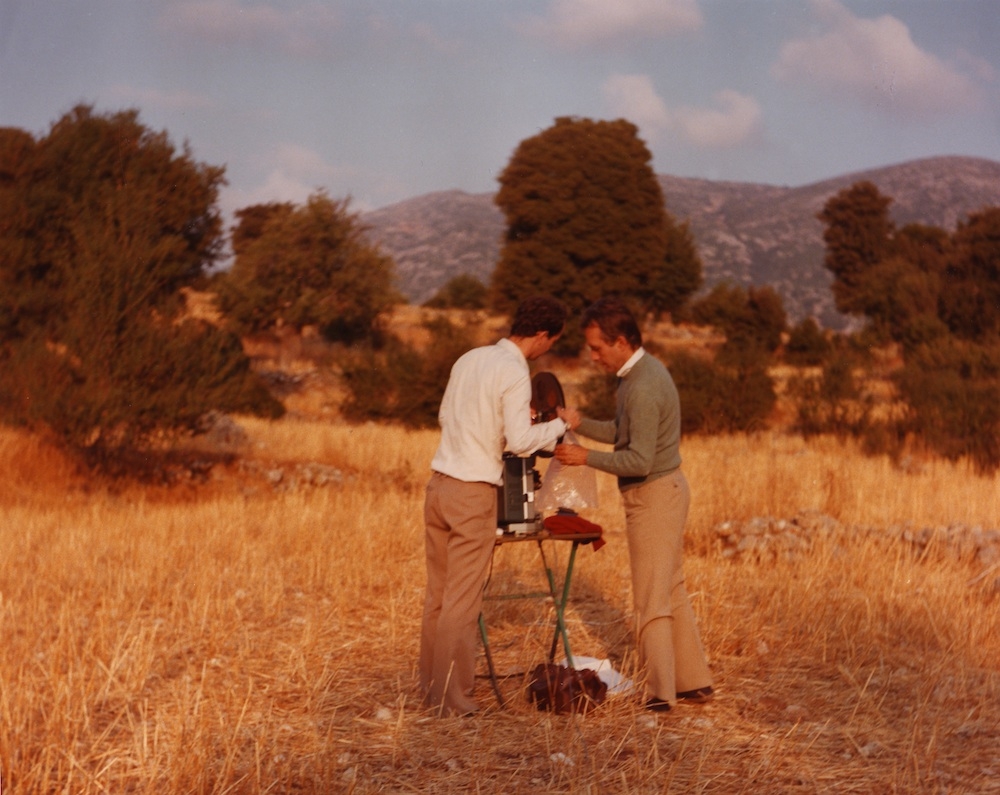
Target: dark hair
column 614, row 319
column 541, row 313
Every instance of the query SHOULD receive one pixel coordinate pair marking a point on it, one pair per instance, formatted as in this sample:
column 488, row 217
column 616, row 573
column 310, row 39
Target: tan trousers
column 671, row 656
column 461, row 525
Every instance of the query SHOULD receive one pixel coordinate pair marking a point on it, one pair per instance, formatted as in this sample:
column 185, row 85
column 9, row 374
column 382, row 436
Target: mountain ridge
column 746, row 232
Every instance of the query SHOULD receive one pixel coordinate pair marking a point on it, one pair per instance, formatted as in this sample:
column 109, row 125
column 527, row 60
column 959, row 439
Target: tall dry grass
column 242, row 637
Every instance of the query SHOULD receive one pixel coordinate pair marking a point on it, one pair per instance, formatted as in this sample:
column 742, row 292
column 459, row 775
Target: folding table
column 560, row 597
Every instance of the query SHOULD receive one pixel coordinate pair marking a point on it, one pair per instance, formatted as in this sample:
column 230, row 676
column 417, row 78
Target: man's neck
column 527, row 345
column 630, row 362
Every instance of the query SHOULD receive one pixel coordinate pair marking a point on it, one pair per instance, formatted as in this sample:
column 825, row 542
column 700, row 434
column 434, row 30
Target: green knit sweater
column 646, row 431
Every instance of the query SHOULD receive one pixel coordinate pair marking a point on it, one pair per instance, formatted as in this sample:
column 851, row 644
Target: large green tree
column 585, row 218
column 306, row 265
column 857, row 236
column 102, row 224
column 938, row 296
column 971, row 294
column 902, row 293
column 916, row 283
column 891, row 277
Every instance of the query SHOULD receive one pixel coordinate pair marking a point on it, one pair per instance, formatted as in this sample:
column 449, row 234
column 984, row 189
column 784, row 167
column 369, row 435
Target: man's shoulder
column 649, row 364
column 492, row 356
column 651, row 369
column 496, row 350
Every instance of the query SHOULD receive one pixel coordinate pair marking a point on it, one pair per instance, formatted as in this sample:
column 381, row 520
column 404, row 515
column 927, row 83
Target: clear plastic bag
column 570, row 487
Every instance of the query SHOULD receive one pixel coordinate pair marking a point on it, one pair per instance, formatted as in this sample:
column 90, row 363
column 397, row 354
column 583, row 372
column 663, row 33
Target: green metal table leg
column 560, row 599
column 489, row 661
column 560, row 602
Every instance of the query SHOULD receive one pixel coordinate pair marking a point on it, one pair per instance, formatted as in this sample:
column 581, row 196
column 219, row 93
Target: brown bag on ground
column 561, row 689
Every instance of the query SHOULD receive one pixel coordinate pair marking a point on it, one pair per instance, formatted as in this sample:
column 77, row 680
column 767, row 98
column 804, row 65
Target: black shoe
column 699, row 696
column 656, row 705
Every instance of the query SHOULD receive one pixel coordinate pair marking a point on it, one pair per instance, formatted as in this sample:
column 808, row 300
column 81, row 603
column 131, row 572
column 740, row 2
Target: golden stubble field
column 255, row 633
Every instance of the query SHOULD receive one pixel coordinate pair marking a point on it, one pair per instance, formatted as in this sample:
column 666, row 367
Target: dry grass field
column 258, row 632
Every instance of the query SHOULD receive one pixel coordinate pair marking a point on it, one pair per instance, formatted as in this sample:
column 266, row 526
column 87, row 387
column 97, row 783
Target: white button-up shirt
column 486, row 410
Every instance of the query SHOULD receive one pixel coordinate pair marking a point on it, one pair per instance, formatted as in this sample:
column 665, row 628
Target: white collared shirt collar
column 625, row 368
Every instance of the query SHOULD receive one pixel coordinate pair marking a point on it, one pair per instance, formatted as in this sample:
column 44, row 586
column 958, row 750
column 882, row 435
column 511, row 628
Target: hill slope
column 745, row 232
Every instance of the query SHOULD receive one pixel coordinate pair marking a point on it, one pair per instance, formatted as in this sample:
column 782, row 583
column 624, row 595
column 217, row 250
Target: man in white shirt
column 486, row 410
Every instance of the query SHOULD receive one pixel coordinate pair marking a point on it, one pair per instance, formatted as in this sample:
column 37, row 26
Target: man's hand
column 571, row 454
column 571, row 417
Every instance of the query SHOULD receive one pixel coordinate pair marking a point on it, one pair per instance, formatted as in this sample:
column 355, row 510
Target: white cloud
column 303, row 162
column 633, row 97
column 301, row 30
column 279, row 186
column 735, row 120
column 296, row 174
column 874, row 61
column 581, row 23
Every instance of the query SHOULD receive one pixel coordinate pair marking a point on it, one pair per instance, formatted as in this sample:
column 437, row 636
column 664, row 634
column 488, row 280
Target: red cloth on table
column 571, row 525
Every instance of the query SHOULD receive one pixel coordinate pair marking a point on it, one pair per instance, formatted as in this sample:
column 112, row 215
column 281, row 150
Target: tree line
column 936, row 295
column 104, row 224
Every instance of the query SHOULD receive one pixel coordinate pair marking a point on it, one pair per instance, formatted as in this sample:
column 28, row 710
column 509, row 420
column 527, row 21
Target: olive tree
column 306, row 265
column 104, row 223
column 585, row 218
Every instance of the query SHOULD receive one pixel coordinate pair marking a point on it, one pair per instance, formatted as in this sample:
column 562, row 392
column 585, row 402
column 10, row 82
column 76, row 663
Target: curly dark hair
column 613, row 317
column 540, row 313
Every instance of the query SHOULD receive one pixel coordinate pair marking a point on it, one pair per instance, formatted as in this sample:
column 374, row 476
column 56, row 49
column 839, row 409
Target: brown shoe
column 699, row 696
column 656, row 705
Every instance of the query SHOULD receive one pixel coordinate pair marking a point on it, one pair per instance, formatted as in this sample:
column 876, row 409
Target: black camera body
column 516, row 512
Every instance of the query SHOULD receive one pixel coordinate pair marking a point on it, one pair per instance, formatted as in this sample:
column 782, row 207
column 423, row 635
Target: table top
column 545, row 535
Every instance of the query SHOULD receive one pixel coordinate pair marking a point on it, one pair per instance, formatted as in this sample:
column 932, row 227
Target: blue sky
column 389, row 99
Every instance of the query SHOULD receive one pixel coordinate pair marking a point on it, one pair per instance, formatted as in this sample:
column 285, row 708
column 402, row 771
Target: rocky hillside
column 745, row 232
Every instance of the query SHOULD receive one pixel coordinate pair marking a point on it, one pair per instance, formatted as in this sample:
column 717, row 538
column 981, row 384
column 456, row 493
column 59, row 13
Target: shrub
column 111, row 401
column 807, row 345
column 399, row 383
column 753, row 320
column 748, row 398
column 953, row 391
column 104, row 223
column 464, row 291
column 714, row 398
column 832, row 403
column 306, row 265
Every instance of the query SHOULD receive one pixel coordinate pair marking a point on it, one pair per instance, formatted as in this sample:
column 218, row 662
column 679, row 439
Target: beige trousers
column 671, row 657
column 461, row 525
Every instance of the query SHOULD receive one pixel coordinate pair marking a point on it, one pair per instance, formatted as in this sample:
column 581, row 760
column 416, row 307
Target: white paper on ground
column 616, row 683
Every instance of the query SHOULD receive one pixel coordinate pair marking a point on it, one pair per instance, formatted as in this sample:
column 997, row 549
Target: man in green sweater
column 646, row 459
